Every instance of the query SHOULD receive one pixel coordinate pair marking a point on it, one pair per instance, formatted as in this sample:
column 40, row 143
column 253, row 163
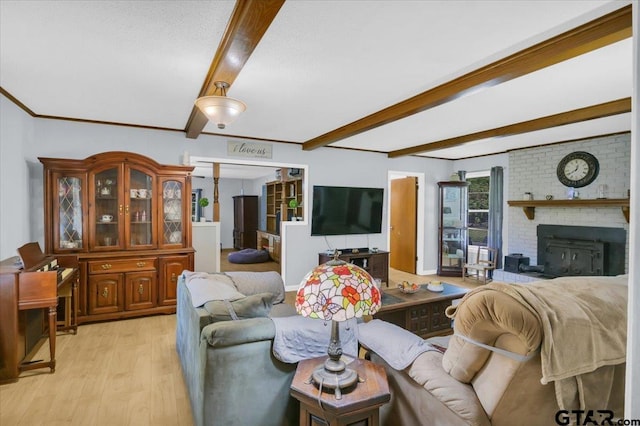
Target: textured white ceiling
column 321, row 64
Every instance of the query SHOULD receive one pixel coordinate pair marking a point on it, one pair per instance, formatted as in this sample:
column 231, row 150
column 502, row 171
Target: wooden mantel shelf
column 529, row 206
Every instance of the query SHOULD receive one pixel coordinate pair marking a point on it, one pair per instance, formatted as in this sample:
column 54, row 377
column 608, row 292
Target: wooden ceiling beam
column 606, row 109
column 593, row 35
column 249, row 21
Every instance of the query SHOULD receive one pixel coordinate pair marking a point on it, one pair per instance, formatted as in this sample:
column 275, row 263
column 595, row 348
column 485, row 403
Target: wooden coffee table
column 422, row 312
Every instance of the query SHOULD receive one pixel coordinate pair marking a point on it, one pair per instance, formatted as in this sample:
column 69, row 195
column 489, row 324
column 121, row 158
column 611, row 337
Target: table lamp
column 336, row 291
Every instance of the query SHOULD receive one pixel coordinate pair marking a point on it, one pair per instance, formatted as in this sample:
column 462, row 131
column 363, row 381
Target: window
column 478, row 213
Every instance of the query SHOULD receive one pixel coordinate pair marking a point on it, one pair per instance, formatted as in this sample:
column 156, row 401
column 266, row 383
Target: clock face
column 578, row 169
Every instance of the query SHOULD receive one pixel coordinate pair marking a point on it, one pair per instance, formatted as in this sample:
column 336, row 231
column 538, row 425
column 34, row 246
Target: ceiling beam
column 593, row 35
column 249, row 21
column 606, row 109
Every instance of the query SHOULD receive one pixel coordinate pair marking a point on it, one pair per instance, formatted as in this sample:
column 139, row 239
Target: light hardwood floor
column 117, row 373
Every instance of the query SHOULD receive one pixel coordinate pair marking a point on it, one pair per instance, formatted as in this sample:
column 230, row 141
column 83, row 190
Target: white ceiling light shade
column 219, row 108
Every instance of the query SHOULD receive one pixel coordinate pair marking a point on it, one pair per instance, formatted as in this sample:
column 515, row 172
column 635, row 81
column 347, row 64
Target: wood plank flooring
column 117, row 373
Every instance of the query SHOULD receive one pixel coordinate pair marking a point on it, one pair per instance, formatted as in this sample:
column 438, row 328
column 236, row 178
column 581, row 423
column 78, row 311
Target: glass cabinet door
column 108, row 209
column 139, row 209
column 173, row 212
column 68, row 205
column 453, row 227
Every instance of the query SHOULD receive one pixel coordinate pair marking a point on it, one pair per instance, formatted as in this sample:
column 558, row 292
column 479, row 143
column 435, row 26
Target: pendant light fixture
column 219, row 108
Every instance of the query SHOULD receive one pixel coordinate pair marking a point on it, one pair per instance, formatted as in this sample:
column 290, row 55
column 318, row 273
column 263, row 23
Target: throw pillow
column 259, row 282
column 254, row 306
column 204, row 287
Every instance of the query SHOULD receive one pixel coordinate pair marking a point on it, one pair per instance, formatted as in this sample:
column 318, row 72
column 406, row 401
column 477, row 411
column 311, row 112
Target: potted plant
column 203, row 202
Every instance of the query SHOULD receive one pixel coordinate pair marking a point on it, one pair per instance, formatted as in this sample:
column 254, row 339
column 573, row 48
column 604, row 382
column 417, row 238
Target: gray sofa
column 229, row 368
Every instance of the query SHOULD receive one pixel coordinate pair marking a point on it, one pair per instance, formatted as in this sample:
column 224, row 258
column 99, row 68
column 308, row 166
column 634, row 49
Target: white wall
column 16, row 131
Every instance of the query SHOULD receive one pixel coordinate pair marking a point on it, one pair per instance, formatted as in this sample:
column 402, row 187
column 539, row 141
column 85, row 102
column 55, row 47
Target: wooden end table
column 358, row 406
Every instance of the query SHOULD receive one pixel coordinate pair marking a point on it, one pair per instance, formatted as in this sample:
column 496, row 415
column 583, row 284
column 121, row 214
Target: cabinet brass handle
column 140, row 264
column 105, row 292
column 106, row 266
column 140, row 289
column 120, row 209
column 173, row 277
column 126, row 209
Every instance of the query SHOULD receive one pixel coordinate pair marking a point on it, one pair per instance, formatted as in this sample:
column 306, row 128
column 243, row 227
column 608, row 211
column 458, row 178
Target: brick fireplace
column 534, row 170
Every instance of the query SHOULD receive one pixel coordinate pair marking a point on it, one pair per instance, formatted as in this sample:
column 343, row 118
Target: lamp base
column 334, row 375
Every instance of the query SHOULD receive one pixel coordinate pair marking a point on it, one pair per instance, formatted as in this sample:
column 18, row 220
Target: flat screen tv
column 341, row 210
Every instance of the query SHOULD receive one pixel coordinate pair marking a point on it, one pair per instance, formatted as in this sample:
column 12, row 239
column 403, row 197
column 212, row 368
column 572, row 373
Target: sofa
column 499, row 367
column 228, row 365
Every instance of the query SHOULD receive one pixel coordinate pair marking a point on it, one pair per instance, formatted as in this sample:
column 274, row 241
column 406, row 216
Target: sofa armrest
column 494, row 319
column 230, row 333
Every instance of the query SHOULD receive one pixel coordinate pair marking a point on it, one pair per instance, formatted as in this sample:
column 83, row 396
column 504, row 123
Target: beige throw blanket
column 584, row 320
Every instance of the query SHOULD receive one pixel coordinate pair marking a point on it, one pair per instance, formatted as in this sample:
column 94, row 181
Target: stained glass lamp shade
column 336, row 291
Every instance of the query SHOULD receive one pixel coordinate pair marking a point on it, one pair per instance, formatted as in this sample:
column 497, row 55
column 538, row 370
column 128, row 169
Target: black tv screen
column 341, row 210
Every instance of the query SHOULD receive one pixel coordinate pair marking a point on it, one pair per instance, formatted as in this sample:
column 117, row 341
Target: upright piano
column 30, row 286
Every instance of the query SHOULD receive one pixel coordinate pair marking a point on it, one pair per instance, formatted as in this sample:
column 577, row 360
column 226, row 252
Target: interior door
column 403, row 218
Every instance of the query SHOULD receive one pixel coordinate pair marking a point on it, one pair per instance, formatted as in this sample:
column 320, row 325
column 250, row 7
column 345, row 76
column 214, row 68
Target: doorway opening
column 247, row 177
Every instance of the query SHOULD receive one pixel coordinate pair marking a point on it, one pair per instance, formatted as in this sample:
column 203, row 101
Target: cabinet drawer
column 122, row 265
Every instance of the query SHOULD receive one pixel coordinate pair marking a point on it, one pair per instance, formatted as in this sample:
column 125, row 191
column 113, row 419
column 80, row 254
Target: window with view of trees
column 478, row 218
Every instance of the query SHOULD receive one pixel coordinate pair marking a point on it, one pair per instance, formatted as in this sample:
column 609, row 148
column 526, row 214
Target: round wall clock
column 578, row 169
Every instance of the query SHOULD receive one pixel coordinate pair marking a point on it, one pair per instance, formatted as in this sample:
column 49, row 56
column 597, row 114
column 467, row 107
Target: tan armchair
column 483, row 262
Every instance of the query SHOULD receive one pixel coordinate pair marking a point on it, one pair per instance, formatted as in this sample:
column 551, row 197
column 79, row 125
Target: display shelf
column 529, row 206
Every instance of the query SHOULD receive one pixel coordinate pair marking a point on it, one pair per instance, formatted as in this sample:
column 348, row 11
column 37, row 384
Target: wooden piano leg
column 53, row 322
column 53, row 312
column 74, row 297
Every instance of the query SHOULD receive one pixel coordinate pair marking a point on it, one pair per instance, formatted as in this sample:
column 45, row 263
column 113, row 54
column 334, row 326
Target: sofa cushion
column 282, row 310
column 259, row 282
column 460, row 398
column 204, row 287
column 254, row 306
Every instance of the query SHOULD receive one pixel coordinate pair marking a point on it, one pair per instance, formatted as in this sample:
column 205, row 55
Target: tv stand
column 376, row 264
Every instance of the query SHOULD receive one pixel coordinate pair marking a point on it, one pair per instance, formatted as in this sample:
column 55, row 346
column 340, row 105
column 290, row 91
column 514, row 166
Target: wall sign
column 249, row 149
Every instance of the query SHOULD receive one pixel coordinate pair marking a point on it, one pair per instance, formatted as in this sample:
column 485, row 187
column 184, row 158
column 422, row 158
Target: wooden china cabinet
column 128, row 219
